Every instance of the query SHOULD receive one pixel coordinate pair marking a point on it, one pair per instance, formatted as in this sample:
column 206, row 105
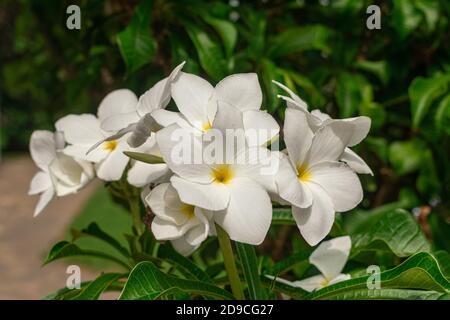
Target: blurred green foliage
column 399, row 76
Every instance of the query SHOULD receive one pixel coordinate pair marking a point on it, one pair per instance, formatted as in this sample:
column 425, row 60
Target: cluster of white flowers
column 233, row 178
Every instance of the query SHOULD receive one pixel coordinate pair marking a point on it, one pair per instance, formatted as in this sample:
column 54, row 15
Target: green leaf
column 94, row 230
column 64, row 249
column 186, row 266
column 396, row 231
column 278, row 286
column 282, row 216
column 422, row 92
column 443, row 258
column 136, row 44
column 390, row 294
column 96, row 287
column 209, row 52
column 147, row 282
column 291, row 261
column 406, row 156
column 299, row 39
column 226, row 30
column 144, row 157
column 442, row 115
column 249, row 264
column 405, row 17
column 421, row 272
column 378, row 68
column 351, row 90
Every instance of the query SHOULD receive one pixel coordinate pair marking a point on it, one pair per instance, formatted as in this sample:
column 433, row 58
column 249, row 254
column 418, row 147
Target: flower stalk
column 230, row 263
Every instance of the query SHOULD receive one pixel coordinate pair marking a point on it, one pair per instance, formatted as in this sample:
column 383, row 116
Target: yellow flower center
column 324, row 282
column 188, row 210
column 222, row 174
column 303, row 172
column 206, row 127
column 110, row 145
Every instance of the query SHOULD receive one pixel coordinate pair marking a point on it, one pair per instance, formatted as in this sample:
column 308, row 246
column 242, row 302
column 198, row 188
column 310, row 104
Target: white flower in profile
column 186, row 226
column 136, row 116
column 197, row 101
column 60, row 174
column 329, row 258
column 312, row 179
column 142, row 173
column 234, row 187
column 83, row 131
column 316, row 119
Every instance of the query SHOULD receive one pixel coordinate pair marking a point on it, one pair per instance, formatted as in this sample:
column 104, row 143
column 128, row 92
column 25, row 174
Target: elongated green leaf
column 94, row 289
column 277, row 286
column 378, row 68
column 186, row 266
column 282, row 216
column 300, row 38
column 421, row 272
column 249, row 264
column 395, row 231
column 147, row 282
column 144, row 157
column 94, row 230
column 291, row 261
column 136, row 44
column 226, row 30
column 391, row 294
column 64, row 249
column 209, row 53
column 443, row 258
column 422, row 92
column 442, row 115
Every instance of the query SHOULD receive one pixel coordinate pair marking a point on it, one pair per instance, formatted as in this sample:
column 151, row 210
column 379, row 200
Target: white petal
column 111, row 169
column 227, row 117
column 182, row 152
column 155, row 199
column 44, row 200
column 355, row 162
column 40, row 182
column 331, row 256
column 361, row 129
column 199, row 233
column 142, row 131
column 191, row 95
column 142, row 173
column 298, row 101
column 339, row 278
column 339, row 182
column 164, row 230
column 289, row 186
column 117, row 102
column 82, row 152
column 297, row 135
column 212, row 196
column 119, row 121
column 81, row 129
column 260, row 127
column 316, row 221
column 165, row 118
column 240, row 90
column 248, row 215
column 183, row 247
column 311, row 284
column 42, row 148
column 329, row 142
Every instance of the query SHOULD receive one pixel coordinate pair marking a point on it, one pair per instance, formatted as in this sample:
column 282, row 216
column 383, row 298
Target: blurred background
column 398, row 75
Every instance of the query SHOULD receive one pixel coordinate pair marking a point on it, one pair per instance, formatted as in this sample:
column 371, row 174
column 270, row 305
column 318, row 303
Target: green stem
column 133, row 204
column 230, row 263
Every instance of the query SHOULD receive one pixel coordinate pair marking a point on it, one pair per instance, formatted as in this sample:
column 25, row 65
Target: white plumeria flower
column 60, row 174
column 235, row 189
column 142, row 173
column 185, row 225
column 330, row 258
column 197, row 102
column 83, row 131
column 317, row 119
column 311, row 177
column 137, row 115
